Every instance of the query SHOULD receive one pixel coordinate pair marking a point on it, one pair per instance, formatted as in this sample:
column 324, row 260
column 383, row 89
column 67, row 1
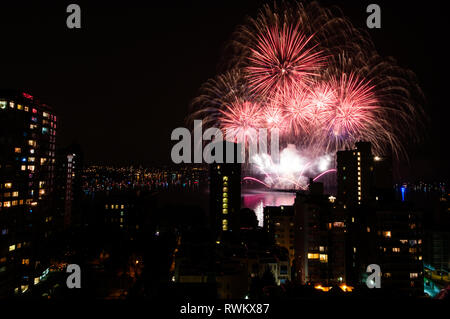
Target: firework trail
column 308, row 72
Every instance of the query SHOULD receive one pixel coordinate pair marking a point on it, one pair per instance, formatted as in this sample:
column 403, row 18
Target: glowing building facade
column 225, row 194
column 27, row 164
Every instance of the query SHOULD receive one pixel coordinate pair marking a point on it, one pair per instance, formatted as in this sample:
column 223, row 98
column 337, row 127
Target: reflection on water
column 258, row 199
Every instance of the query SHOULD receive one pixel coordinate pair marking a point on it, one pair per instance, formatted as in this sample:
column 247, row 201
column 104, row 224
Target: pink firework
column 241, row 120
column 282, row 57
column 356, row 110
column 298, row 110
column 322, row 100
column 274, row 117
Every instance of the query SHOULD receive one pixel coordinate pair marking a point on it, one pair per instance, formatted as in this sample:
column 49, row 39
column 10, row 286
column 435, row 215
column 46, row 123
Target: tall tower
column 27, row 162
column 355, row 175
column 225, row 192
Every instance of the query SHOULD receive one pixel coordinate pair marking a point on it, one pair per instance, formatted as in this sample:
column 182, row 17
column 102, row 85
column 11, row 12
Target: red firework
column 282, row 58
column 356, row 108
column 298, row 110
column 274, row 117
column 241, row 120
column 322, row 100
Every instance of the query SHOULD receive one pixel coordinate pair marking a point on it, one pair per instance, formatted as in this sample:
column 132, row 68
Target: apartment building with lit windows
column 399, row 240
column 225, row 193
column 27, row 163
column 279, row 222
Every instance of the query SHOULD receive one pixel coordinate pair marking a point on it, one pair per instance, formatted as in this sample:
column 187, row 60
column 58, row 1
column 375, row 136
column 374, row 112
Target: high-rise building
column 279, row 222
column 311, row 239
column 225, row 192
column 27, row 162
column 354, row 172
column 68, row 194
column 399, row 240
column 363, row 177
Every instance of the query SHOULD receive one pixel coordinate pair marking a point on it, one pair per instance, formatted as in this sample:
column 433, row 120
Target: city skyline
column 236, row 154
column 121, row 71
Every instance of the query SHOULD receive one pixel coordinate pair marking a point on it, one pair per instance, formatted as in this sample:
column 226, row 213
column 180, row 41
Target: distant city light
column 402, row 189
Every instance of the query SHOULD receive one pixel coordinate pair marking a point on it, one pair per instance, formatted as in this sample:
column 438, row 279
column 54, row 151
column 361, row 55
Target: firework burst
column 307, row 71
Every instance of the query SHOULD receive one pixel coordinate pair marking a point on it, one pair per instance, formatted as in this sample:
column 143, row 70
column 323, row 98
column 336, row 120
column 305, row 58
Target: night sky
column 123, row 82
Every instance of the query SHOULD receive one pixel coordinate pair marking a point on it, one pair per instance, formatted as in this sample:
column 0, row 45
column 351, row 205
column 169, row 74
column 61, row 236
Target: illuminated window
column 321, row 248
column 12, row 247
column 225, row 178
column 224, row 211
column 225, row 224
column 31, row 159
column 225, row 200
column 225, row 189
column 25, row 261
column 339, row 224
column 7, row 204
column 313, row 256
column 8, row 185
column 3, row 104
column 323, row 258
column 395, row 250
column 387, row 234
column 31, row 168
column 413, row 275
column 17, row 150
column 225, row 206
column 19, row 107
column 225, row 194
column 14, row 203
column 122, row 206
